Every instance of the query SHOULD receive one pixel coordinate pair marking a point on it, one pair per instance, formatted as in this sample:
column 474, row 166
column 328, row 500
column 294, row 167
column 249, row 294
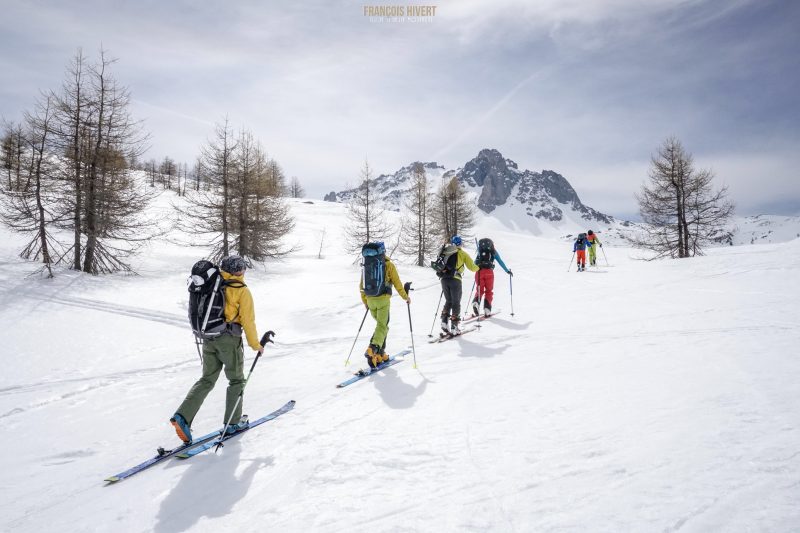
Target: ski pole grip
column 407, row 286
column 267, row 337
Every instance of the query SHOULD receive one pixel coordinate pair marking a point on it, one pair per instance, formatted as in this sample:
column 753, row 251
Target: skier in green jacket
column 456, row 260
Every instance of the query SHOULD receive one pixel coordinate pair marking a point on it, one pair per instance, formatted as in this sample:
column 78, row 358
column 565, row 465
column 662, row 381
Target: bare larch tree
column 241, row 209
column 453, row 211
column 28, row 207
column 418, row 237
column 79, row 141
column 367, row 221
column 681, row 210
column 295, row 189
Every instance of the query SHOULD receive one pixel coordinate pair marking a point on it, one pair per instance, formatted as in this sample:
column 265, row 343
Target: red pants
column 582, row 258
column 484, row 281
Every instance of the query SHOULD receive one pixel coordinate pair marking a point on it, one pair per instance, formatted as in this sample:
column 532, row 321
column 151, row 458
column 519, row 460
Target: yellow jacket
column 239, row 309
column 464, row 260
column 391, row 276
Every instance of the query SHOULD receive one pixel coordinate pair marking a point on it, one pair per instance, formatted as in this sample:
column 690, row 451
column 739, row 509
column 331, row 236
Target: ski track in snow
column 117, row 309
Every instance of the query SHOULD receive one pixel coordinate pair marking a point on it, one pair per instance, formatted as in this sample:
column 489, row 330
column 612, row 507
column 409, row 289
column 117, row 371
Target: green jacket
column 464, row 260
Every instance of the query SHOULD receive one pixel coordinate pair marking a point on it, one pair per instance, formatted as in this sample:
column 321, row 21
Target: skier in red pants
column 484, row 278
column 581, row 243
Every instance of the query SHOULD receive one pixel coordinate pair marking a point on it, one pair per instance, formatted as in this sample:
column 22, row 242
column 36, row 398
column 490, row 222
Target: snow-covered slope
column 641, row 396
column 762, row 229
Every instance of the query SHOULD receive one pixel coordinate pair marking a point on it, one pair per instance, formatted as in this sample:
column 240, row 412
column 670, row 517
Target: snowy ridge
column 495, row 181
column 391, row 188
column 640, row 396
column 762, row 229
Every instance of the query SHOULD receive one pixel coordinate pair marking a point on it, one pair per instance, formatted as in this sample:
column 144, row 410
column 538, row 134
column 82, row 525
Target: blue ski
column 194, row 450
column 361, row 374
column 162, row 454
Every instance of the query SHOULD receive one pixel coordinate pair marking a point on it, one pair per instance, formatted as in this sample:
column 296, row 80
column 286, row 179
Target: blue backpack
column 373, row 269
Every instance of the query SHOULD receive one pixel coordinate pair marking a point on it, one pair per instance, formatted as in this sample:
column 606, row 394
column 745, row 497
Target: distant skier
column 581, row 243
column 378, row 276
column 226, row 351
column 593, row 243
column 484, row 278
column 451, row 262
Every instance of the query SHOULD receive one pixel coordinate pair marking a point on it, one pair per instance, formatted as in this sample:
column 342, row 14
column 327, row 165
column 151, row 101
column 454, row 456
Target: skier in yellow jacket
column 378, row 277
column 225, row 351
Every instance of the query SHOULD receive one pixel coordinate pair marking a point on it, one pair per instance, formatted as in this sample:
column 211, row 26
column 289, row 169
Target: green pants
column 379, row 309
column 592, row 254
column 225, row 350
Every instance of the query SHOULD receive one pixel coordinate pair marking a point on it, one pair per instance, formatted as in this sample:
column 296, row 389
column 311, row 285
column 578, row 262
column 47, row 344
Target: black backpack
column 486, row 253
column 445, row 264
column 373, row 269
column 207, row 300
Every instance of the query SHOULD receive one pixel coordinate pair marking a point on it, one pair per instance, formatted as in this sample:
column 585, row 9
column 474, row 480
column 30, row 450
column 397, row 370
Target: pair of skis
column 480, row 318
column 447, row 336
column 198, row 445
column 363, row 373
column 469, row 320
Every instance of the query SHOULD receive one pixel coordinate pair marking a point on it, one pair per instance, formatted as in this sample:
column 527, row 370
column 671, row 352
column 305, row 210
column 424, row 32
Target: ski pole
column 407, row 288
column 356, row 339
column 436, row 314
column 511, row 289
column 570, row 261
column 264, row 340
column 474, row 283
column 469, row 301
column 604, row 255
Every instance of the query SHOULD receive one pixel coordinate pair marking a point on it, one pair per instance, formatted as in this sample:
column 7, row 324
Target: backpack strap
column 233, row 284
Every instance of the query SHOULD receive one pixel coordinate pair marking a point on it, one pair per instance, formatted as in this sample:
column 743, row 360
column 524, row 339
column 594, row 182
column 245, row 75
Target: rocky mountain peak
column 495, row 175
column 496, row 181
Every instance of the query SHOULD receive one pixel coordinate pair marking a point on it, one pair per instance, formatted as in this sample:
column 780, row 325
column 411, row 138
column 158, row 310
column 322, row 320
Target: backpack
column 373, row 269
column 207, row 300
column 485, row 253
column 445, row 264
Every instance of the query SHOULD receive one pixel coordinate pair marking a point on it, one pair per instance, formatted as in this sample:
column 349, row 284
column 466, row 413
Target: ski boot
column 445, row 327
column 476, row 308
column 181, row 428
column 243, row 423
column 373, row 355
column 455, row 329
column 383, row 355
column 487, row 311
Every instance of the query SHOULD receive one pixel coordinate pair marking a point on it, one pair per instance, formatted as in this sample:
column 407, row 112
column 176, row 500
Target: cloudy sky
column 588, row 88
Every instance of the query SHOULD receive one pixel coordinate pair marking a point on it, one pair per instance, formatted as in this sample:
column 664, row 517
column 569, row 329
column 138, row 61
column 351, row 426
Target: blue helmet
column 456, row 240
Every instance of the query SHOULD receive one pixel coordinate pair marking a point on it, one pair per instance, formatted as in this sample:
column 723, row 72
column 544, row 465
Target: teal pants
column 224, row 351
column 379, row 309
